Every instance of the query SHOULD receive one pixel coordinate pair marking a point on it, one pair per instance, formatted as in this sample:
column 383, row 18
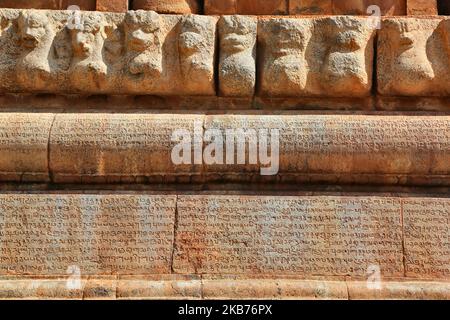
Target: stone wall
column 156, row 155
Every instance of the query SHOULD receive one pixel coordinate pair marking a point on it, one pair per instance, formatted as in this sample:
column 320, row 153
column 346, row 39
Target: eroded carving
column 88, row 67
column 410, row 58
column 237, row 66
column 36, row 38
column 284, row 69
column 143, row 40
column 346, row 70
column 196, row 44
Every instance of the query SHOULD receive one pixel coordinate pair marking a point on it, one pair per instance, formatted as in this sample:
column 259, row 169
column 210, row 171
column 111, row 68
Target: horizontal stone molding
column 169, row 6
column 310, row 7
column 139, row 148
column 110, row 148
column 49, row 4
column 335, row 236
column 196, row 288
column 253, row 7
column 146, row 53
column 79, row 235
column 24, row 150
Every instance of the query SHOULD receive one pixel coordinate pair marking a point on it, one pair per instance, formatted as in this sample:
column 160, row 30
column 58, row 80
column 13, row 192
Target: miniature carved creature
column 195, row 61
column 36, row 38
column 285, row 70
column 88, row 67
column 237, row 67
column 410, row 59
column 142, row 29
column 344, row 68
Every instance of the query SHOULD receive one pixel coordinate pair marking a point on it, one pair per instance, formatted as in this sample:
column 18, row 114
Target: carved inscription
column 24, row 146
column 99, row 234
column 288, row 235
column 427, row 237
column 350, row 145
column 116, row 147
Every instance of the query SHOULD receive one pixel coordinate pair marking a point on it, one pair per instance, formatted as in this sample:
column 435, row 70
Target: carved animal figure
column 237, row 67
column 36, row 38
column 143, row 41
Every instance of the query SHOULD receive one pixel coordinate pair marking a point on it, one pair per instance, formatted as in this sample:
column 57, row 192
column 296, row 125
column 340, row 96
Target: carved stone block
column 237, row 65
column 252, row 7
column 354, row 149
column 427, row 238
column 196, row 49
column 24, row 146
column 48, row 4
column 313, row 7
column 116, row 148
column 288, row 235
column 413, row 57
column 316, row 57
column 139, row 52
column 112, row 5
column 422, row 7
column 360, row 7
column 292, row 148
column 168, row 6
column 86, row 234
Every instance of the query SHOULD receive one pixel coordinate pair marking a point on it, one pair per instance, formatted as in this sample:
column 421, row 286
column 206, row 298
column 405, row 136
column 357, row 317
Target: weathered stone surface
column 172, row 287
column 413, row 57
column 159, row 287
column 273, row 289
column 100, row 288
column 253, row 7
column 288, row 235
column 360, row 7
column 422, row 7
column 39, row 288
column 112, row 148
column 237, row 65
column 408, row 290
column 427, row 238
column 354, row 149
column 48, row 4
column 168, row 6
column 196, row 48
column 307, row 7
column 112, row 5
column 139, row 52
column 330, row 56
column 24, row 146
column 86, row 234
column 117, row 148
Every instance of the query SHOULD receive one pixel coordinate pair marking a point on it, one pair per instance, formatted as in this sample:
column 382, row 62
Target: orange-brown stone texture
column 258, row 7
column 168, row 6
column 156, row 155
column 112, row 5
column 422, row 7
column 48, row 4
